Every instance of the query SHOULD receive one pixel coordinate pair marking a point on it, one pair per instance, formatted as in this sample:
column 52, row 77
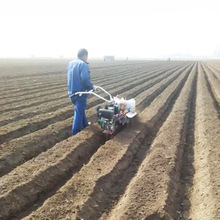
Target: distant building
column 109, row 58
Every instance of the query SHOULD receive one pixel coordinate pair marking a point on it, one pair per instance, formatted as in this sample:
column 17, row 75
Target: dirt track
column 163, row 166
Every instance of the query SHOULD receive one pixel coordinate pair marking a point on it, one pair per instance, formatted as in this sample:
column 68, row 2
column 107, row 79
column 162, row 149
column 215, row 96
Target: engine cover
column 106, row 113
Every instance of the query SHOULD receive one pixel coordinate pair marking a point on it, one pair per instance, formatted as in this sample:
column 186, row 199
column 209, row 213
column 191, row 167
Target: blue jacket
column 78, row 77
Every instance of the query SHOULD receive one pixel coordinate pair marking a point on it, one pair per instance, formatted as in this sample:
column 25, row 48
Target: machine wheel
column 108, row 136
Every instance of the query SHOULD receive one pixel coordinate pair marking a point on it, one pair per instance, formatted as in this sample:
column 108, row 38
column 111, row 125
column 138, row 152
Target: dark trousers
column 79, row 119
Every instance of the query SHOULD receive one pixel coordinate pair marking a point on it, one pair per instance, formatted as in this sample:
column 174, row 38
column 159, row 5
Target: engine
column 112, row 117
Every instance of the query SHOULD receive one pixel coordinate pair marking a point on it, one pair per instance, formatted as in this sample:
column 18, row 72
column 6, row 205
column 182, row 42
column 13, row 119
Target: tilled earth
column 164, row 165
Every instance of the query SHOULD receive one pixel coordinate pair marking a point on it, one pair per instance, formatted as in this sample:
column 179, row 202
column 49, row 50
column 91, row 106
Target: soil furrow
column 215, row 71
column 113, row 85
column 213, row 83
column 32, row 126
column 205, row 195
column 22, row 107
column 125, row 73
column 166, row 75
column 215, row 100
column 45, row 173
column 48, row 84
column 40, row 123
column 38, row 113
column 25, row 151
column 113, row 192
column 98, row 80
column 32, row 91
column 48, row 99
column 149, row 76
column 50, row 109
column 39, row 74
column 187, row 169
column 157, row 90
column 37, row 95
column 115, row 151
column 73, row 153
column 152, row 193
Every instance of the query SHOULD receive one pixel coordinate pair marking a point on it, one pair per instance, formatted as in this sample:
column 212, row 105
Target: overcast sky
column 124, row 28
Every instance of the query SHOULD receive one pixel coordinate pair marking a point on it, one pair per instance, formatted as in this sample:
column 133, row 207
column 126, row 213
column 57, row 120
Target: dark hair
column 82, row 52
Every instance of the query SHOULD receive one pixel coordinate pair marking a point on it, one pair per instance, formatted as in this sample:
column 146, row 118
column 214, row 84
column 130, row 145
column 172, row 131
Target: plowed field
column 164, row 165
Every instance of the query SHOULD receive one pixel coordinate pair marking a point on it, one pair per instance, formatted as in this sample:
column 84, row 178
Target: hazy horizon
column 134, row 29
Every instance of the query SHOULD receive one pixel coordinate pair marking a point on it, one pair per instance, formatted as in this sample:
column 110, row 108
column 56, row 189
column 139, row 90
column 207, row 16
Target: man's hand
column 94, row 88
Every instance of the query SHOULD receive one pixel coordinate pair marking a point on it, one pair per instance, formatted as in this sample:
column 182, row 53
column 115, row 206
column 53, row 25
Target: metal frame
column 93, row 93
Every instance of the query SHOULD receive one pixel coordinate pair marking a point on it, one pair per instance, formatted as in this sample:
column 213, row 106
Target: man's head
column 83, row 54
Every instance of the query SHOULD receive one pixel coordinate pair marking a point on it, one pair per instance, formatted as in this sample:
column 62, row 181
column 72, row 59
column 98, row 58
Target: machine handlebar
column 93, row 93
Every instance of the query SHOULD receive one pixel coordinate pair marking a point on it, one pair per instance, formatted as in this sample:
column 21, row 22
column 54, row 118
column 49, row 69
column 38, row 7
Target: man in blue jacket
column 78, row 79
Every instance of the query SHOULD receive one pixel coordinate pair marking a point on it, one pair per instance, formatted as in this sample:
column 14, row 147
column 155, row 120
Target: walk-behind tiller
column 116, row 113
